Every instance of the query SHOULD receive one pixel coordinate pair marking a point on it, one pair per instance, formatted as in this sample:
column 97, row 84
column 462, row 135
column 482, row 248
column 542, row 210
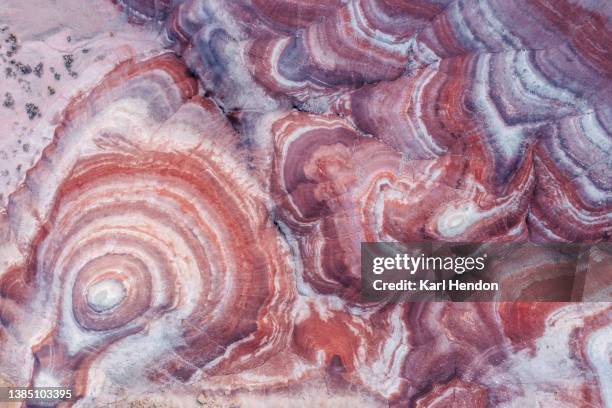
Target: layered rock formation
column 189, row 215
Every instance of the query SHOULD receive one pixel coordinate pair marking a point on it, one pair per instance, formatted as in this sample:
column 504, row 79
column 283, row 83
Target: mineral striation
column 185, row 185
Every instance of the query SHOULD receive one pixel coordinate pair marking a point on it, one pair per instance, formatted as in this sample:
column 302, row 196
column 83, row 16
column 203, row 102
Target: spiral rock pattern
column 139, row 234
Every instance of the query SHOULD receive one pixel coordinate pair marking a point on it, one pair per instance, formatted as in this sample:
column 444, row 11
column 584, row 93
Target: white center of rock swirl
column 104, row 295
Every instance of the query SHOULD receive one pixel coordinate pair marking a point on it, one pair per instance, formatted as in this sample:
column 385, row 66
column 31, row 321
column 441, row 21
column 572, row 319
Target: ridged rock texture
column 186, row 184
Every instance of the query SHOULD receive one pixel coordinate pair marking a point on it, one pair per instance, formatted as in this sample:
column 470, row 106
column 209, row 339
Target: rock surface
column 184, row 187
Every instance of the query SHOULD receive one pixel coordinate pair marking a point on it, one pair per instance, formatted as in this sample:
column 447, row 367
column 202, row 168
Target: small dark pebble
column 68, row 60
column 25, row 69
column 57, row 76
column 9, row 72
column 51, row 90
column 85, row 50
column 26, row 147
column 38, row 69
column 32, row 110
column 69, row 38
column 9, row 102
column 13, row 46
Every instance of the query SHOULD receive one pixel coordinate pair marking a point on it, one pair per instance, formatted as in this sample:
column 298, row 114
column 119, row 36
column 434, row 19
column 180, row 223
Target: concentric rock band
column 187, row 217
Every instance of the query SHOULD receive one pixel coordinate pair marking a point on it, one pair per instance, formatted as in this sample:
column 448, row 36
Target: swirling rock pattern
column 188, row 215
column 136, row 234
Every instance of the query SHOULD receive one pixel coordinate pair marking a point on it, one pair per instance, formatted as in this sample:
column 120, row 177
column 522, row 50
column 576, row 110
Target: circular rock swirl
column 140, row 236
